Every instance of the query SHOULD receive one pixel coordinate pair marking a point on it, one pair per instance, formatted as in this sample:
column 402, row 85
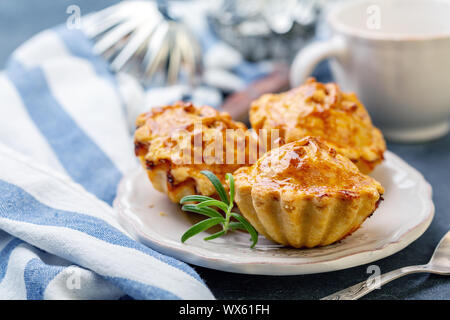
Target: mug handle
column 307, row 59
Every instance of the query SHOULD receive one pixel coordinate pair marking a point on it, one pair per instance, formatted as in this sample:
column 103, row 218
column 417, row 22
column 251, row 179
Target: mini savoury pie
column 305, row 194
column 174, row 143
column 322, row 110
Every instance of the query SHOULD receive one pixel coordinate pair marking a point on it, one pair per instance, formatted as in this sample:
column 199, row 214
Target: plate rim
column 190, row 255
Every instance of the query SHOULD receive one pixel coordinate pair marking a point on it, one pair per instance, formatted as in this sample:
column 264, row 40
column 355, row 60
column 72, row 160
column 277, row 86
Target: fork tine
column 97, row 23
column 154, row 46
column 160, row 58
column 174, row 60
column 112, row 37
column 95, row 28
column 138, row 39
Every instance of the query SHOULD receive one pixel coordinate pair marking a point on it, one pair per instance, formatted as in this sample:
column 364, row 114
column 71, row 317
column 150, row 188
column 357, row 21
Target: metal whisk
column 141, row 38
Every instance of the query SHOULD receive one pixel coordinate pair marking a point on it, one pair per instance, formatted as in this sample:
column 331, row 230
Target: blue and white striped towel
column 64, row 145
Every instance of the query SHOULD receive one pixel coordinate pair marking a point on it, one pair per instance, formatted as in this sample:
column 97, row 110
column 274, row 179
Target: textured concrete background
column 20, row 19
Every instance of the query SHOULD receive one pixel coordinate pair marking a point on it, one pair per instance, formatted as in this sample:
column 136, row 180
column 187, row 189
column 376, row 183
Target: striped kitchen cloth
column 65, row 143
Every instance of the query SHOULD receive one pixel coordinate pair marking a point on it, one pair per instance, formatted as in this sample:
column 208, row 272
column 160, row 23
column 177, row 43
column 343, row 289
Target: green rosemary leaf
column 236, row 225
column 204, row 206
column 213, row 203
column 196, row 198
column 204, row 211
column 215, row 235
column 230, row 179
column 248, row 226
column 199, row 227
column 217, row 185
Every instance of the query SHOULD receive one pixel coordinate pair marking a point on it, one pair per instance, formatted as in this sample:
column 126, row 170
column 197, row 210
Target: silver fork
column 438, row 264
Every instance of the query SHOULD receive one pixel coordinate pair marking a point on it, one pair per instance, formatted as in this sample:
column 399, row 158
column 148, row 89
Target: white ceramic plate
column 405, row 213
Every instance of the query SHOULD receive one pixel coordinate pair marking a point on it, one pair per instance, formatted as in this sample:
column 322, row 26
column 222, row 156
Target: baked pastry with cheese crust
column 305, row 194
column 322, row 110
column 174, row 143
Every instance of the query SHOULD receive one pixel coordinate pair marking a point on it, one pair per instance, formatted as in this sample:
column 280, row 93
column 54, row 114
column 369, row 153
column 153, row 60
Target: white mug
column 395, row 55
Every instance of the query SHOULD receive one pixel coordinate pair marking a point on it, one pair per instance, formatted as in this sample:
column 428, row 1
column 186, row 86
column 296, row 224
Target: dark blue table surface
column 20, row 19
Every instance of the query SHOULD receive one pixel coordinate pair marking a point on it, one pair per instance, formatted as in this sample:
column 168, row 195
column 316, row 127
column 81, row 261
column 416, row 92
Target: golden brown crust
column 323, row 110
column 174, row 143
column 305, row 194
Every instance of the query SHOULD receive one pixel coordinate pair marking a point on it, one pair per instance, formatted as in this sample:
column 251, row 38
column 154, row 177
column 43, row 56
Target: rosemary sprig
column 208, row 206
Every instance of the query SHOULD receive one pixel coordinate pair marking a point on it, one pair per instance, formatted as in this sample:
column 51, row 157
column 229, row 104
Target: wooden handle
column 238, row 104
